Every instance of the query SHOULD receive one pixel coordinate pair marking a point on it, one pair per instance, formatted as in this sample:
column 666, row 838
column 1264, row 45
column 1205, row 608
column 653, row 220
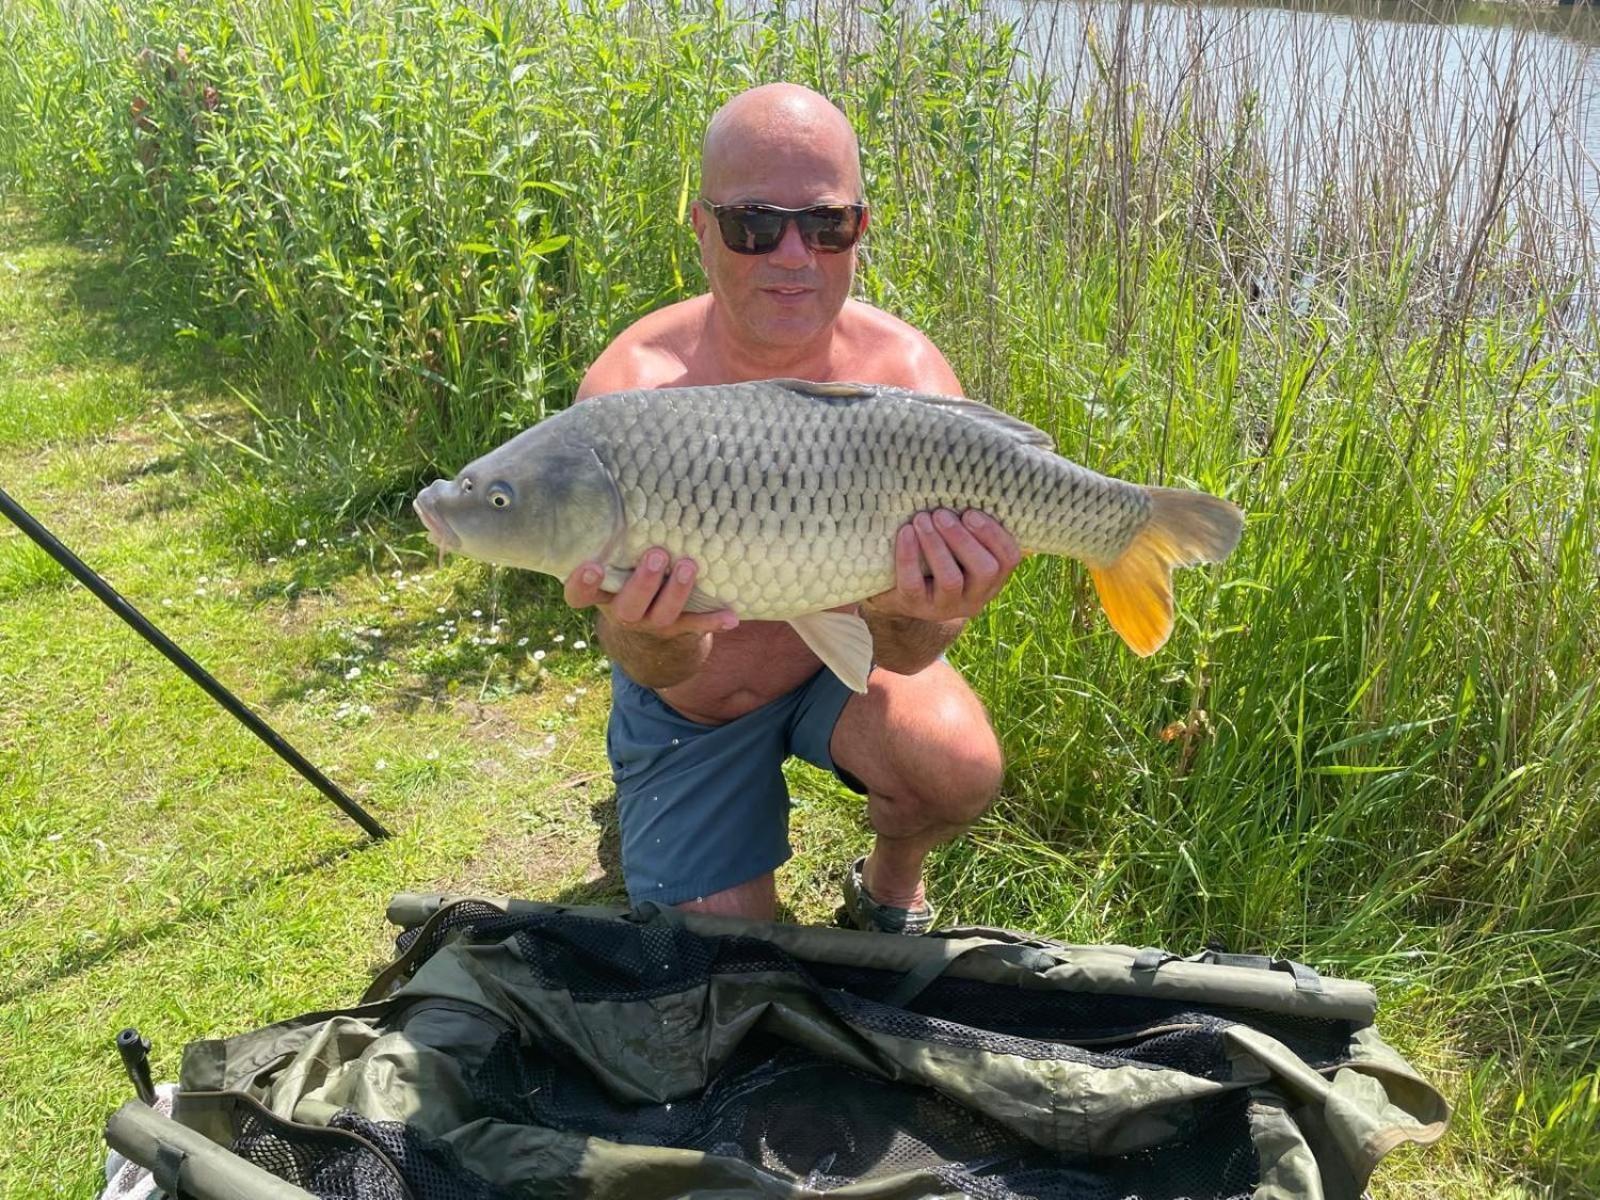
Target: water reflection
column 1472, row 110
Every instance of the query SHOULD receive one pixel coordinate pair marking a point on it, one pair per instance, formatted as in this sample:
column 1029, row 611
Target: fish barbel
column 788, row 496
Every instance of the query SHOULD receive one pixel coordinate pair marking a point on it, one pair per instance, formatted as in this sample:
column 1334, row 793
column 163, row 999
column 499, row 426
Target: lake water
column 1372, row 96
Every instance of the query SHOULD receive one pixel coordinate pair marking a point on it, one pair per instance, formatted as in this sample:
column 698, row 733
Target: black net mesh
column 824, row 1125
column 466, row 915
column 431, row 1169
column 324, row 1163
column 794, row 1114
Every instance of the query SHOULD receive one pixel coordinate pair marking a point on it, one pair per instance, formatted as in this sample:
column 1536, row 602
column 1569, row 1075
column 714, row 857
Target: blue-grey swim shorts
column 705, row 807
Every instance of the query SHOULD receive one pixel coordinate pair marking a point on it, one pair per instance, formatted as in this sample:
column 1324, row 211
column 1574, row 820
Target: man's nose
column 791, row 248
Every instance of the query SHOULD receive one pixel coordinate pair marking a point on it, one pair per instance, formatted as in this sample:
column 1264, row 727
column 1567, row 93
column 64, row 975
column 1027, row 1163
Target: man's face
column 790, row 296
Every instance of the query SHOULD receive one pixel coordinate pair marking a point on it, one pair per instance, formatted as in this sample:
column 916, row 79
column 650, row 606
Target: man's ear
column 866, row 219
column 700, row 221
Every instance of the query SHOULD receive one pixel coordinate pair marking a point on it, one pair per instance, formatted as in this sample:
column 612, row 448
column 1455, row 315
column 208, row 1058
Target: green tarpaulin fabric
column 519, row 1049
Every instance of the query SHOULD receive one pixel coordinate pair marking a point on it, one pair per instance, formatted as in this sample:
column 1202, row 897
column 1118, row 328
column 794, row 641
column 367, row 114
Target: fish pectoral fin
column 842, row 641
column 698, row 601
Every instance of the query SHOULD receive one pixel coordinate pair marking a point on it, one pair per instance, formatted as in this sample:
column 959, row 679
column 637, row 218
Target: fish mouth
column 439, row 531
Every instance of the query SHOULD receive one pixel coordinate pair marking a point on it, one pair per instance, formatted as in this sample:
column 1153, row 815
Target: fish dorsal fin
column 975, row 410
column 828, row 391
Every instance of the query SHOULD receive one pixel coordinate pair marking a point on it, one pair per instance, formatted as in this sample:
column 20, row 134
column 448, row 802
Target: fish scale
column 796, row 498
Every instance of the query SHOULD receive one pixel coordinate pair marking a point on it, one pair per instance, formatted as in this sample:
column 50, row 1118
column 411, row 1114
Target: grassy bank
column 158, row 866
column 406, row 230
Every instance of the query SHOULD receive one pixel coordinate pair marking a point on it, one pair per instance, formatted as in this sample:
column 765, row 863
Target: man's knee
column 959, row 774
column 923, row 747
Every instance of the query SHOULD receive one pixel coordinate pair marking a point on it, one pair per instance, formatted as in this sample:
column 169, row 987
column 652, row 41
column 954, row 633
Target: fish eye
column 499, row 495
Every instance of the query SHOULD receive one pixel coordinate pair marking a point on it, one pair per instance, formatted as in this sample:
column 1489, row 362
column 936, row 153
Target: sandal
column 861, row 911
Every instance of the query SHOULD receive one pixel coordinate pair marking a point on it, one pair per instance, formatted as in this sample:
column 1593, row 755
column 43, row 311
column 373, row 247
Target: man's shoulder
column 649, row 353
column 895, row 352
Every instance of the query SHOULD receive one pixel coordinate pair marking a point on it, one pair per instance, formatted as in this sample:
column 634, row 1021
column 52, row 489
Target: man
column 705, row 709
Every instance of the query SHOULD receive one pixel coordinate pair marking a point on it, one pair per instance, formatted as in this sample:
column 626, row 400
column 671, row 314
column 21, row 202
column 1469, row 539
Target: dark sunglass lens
column 750, row 230
column 830, row 228
column 758, row 228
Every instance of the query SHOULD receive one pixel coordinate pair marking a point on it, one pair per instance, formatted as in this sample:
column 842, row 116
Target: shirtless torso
column 706, row 831
column 759, row 660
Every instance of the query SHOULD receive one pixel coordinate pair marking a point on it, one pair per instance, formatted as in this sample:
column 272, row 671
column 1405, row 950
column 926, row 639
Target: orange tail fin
column 1136, row 590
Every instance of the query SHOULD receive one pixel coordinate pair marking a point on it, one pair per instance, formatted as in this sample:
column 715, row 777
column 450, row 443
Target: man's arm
column 622, row 365
column 947, row 566
column 906, row 645
column 642, row 627
column 652, row 661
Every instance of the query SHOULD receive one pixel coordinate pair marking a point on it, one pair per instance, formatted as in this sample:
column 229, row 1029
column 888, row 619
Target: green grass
column 403, row 230
column 158, row 865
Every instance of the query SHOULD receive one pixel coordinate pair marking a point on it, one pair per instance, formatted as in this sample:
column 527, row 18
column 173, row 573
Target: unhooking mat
column 527, row 1050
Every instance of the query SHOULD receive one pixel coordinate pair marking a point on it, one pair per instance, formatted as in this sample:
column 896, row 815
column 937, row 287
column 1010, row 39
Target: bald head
column 780, row 122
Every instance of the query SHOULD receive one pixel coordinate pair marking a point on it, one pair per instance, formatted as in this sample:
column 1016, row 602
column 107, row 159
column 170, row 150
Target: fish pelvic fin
column 842, row 641
column 1184, row 528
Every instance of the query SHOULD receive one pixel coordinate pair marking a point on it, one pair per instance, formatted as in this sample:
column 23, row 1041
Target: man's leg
column 923, row 747
column 756, row 898
column 702, row 809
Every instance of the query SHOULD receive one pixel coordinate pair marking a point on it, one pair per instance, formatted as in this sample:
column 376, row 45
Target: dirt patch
column 560, row 847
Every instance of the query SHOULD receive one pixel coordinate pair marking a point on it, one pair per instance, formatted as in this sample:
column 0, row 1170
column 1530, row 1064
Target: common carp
column 788, row 495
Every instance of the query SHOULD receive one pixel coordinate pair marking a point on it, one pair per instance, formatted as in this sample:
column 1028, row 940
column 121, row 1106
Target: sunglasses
column 758, row 228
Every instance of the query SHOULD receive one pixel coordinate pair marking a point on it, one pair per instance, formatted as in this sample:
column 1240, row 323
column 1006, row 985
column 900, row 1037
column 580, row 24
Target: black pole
column 141, row 624
column 135, row 1051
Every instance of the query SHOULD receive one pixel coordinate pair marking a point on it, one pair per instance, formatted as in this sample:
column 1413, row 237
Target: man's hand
column 947, row 567
column 651, row 601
